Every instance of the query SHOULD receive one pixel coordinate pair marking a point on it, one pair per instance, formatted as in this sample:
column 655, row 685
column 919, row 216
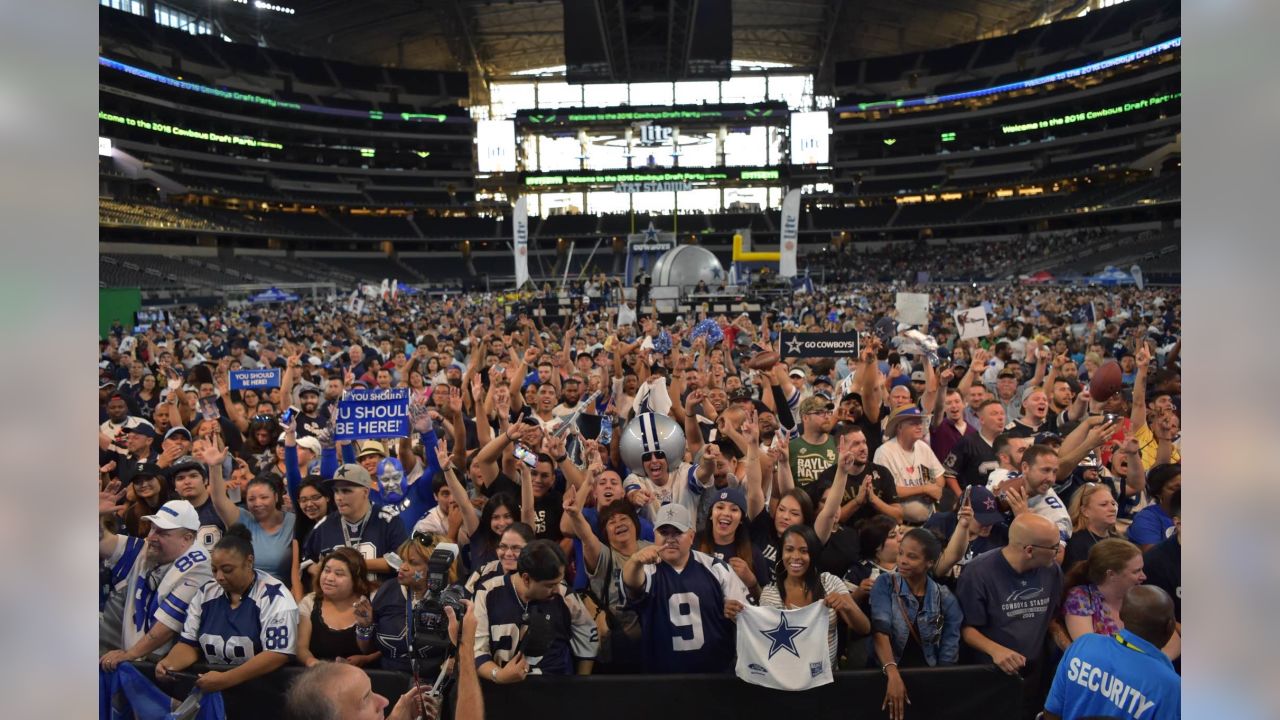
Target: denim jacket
column 938, row 624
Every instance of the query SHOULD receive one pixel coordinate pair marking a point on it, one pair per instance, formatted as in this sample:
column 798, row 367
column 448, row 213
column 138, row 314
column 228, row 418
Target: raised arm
column 830, row 515
column 470, row 520
column 235, row 411
column 555, row 447
column 1136, row 481
column 212, row 455
column 869, row 382
column 1088, row 435
column 1138, row 415
column 977, row 365
column 528, row 515
column 592, row 548
column 689, row 415
column 957, row 544
column 1042, row 358
column 930, row 396
column 940, row 398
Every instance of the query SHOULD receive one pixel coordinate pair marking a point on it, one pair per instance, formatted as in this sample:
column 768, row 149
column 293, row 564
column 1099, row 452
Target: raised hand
column 111, row 498
column 743, row 569
column 442, row 453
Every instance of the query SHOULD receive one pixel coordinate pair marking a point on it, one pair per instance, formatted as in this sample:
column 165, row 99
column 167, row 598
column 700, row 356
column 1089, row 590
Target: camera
column 1108, row 418
column 430, row 623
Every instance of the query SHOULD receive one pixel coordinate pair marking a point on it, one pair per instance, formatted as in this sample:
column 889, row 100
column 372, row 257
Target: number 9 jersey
column 682, row 616
column 265, row 620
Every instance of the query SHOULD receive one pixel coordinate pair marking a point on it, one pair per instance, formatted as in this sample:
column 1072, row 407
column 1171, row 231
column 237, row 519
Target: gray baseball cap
column 354, row 474
column 675, row 515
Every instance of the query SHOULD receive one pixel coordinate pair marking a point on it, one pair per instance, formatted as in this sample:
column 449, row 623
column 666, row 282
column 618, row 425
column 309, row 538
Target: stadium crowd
column 637, row 487
column 952, row 261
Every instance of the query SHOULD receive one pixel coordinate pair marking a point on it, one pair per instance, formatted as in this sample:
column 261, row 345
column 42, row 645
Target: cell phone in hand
column 525, row 455
column 967, row 492
column 287, row 416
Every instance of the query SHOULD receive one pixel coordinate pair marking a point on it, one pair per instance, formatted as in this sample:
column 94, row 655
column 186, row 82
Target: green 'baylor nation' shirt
column 808, row 461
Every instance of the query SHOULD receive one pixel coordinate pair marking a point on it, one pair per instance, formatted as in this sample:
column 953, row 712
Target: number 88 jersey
column 265, row 620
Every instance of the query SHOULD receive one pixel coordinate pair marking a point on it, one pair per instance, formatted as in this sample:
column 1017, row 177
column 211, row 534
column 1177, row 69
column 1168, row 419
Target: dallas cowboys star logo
column 989, row 503
column 273, row 591
column 793, row 346
column 783, row 637
column 651, row 233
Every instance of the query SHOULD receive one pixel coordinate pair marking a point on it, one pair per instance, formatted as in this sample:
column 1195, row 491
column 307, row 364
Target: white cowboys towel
column 784, row 649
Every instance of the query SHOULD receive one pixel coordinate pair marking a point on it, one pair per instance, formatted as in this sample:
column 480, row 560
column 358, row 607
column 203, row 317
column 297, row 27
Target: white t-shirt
column 436, row 522
column 911, row 468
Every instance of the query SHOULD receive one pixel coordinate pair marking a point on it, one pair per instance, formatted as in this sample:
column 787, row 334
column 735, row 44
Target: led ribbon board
column 265, row 101
column 1042, row 80
column 1090, row 114
column 667, row 177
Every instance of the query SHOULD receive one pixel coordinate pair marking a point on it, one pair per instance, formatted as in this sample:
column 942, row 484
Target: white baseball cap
column 175, row 514
column 311, row 444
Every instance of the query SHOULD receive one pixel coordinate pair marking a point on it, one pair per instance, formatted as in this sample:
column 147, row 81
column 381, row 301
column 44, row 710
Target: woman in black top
column 1093, row 517
column 313, row 501
column 327, row 618
column 726, row 537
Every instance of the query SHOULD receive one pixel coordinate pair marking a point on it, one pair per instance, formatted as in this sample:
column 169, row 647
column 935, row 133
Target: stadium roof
column 495, row 38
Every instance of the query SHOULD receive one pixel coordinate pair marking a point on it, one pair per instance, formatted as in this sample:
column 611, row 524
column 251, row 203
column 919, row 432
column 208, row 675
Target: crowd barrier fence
column 951, row 693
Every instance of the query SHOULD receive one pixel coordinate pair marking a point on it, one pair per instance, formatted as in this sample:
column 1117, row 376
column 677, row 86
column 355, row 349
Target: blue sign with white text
column 254, row 379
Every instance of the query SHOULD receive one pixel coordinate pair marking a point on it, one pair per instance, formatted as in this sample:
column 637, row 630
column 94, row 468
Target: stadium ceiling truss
column 494, row 39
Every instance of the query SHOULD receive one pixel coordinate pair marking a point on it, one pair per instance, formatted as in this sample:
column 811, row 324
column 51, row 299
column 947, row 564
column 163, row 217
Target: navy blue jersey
column 483, row 574
column 682, row 616
column 265, row 621
column 390, row 618
column 502, row 621
column 211, row 526
column 380, row 534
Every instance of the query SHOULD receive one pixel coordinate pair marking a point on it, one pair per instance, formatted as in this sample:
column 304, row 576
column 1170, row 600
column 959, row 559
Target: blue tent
column 1110, row 276
column 271, row 295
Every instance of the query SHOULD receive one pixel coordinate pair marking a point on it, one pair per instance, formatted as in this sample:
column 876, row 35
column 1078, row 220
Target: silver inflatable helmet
column 648, row 432
column 685, row 265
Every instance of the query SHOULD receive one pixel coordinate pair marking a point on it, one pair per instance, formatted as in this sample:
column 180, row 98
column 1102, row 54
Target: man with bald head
column 1008, row 597
column 1125, row 676
column 337, row 691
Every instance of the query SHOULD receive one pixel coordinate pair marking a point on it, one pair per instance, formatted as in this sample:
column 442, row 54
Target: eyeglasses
column 264, row 418
column 655, row 455
column 1051, row 548
column 510, row 548
column 828, row 411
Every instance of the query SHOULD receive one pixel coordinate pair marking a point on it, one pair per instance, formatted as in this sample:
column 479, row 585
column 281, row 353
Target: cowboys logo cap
column 354, row 474
column 675, row 515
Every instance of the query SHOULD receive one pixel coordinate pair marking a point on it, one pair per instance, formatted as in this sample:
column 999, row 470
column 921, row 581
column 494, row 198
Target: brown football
column 1106, row 381
column 1002, row 489
column 763, row 360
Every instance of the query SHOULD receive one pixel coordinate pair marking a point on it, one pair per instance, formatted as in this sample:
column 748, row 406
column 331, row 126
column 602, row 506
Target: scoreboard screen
column 810, row 138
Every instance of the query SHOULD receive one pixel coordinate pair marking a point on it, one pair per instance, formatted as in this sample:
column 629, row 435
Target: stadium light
column 268, row 6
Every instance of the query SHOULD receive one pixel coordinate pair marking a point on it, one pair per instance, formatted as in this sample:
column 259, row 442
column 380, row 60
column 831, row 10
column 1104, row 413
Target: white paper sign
column 972, row 323
column 913, row 308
